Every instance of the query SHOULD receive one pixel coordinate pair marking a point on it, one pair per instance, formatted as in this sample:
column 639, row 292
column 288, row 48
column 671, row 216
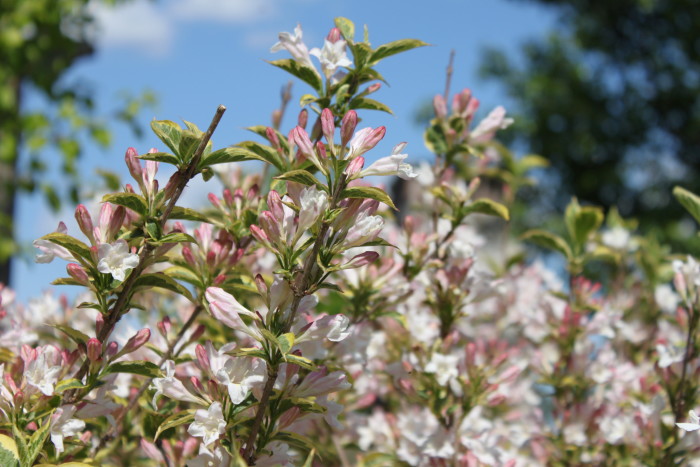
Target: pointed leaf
column 135, row 367
column 168, row 132
column 371, row 104
column 135, row 202
column 261, row 130
column 286, row 342
column 163, row 281
column 487, row 206
column 301, row 176
column 548, row 240
column 305, row 73
column 301, row 361
column 188, row 214
column 165, row 157
column 22, row 449
column 265, row 153
column 66, row 281
column 689, row 200
column 177, row 419
column 347, row 28
column 8, row 451
column 368, row 192
column 75, row 335
column 395, row 47
column 67, row 384
column 37, row 440
column 229, row 154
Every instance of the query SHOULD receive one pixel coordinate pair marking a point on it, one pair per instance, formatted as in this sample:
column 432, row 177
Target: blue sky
column 197, row 54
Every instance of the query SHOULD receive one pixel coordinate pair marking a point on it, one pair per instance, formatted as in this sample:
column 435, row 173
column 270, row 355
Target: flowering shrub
column 301, row 320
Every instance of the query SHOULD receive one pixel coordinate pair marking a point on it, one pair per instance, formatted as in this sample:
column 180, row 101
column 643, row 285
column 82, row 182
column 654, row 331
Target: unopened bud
column 202, row 357
column 347, row 127
column 137, row 340
column 132, row 162
column 78, row 273
column 334, row 36
column 220, row 279
column 439, row 106
column 164, row 326
column 362, row 259
column 112, row 349
column 354, row 166
column 85, row 222
column 189, row 256
column 274, row 139
column 94, row 349
column 116, row 222
column 373, row 88
column 274, row 204
column 303, row 118
column 276, row 118
column 197, row 384
column 198, row 332
column 321, row 150
column 99, row 324
column 261, row 285
column 213, row 199
column 328, row 124
column 259, row 234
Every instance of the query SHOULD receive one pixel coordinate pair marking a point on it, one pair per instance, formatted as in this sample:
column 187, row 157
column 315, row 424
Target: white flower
column 206, row 458
column 313, row 204
column 669, row 354
column 391, row 165
column 295, row 46
column 365, row 229
column 617, row 238
column 240, row 375
column 332, row 56
column 208, row 424
column 63, row 425
column 487, row 128
column 49, row 250
column 444, row 367
column 172, row 387
column 42, row 372
column 694, row 422
column 116, row 259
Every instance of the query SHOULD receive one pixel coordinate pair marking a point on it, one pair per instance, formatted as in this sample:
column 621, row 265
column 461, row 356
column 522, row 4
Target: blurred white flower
column 64, row 425
column 694, row 422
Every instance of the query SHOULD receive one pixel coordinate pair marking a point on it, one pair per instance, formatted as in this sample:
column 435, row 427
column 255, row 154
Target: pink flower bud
column 270, row 225
column 303, row 118
column 115, row 223
column 261, row 285
column 94, row 349
column 202, row 357
column 300, row 138
column 272, row 137
column 252, row 192
column 213, row 199
column 85, row 222
column 373, row 88
column 439, row 106
column 132, row 162
column 99, row 323
column 198, row 331
column 354, row 166
column 189, row 256
column 164, row 326
column 321, row 150
column 228, row 197
column 274, row 204
column 495, row 399
column 137, row 340
column 259, row 234
column 328, row 125
column 334, row 36
column 347, row 127
column 112, row 349
column 197, row 384
column 77, row 272
column 220, row 279
column 362, row 259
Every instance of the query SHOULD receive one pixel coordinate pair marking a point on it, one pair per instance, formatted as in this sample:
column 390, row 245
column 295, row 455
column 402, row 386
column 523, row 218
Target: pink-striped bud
column 300, row 138
column 274, row 139
column 94, row 349
column 220, row 279
column 197, row 384
column 189, row 256
column 132, row 162
column 99, row 323
column 440, row 106
column 409, row 225
column 259, row 234
column 334, row 36
column 116, row 222
column 303, row 118
column 460, row 101
column 137, row 340
column 347, row 127
column 328, row 125
column 252, row 192
column 214, row 200
column 373, row 88
column 112, row 349
column 164, row 326
column 495, row 399
column 355, row 166
column 363, row 259
column 78, row 273
column 321, row 150
column 228, row 197
column 85, row 222
column 274, row 204
column 128, row 188
column 198, row 332
column 261, row 285
column 269, row 225
column 202, row 357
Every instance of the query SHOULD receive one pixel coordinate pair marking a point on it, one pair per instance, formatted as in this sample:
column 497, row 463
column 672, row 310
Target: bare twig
column 448, row 75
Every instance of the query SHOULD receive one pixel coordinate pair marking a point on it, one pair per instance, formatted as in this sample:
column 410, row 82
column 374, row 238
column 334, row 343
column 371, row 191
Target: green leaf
column 163, row 281
column 75, row 335
column 581, row 222
column 66, row 281
column 301, row 361
column 169, row 133
column 37, row 440
column 368, row 192
column 177, row 419
column 261, row 130
column 301, row 176
column 434, row 139
column 690, row 201
column 164, row 157
column 184, row 274
column 548, row 240
column 67, row 384
column 177, row 237
column 310, row 458
column 135, row 367
column 347, row 28
column 75, row 246
column 135, row 202
column 188, row 214
column 264, row 153
column 487, row 206
column 229, row 154
column 189, row 140
column 395, row 47
column 296, row 440
column 286, row 342
column 361, row 53
column 8, row 451
column 305, row 73
column 371, row 104
column 22, row 449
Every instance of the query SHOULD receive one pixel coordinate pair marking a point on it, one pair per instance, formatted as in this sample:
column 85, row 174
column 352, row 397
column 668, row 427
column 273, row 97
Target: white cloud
column 223, row 11
column 135, row 24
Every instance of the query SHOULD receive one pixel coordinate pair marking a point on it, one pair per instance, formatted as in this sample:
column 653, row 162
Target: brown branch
column 448, row 75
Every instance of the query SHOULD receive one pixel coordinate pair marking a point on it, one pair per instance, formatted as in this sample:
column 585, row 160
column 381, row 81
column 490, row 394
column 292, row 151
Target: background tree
column 612, row 99
column 40, row 40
